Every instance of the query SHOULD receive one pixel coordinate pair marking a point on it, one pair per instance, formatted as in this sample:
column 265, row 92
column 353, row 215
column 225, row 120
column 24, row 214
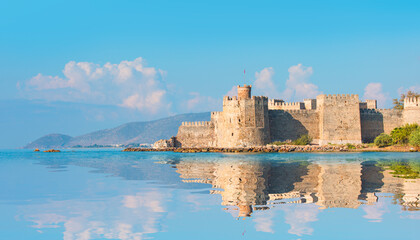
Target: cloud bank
column 298, row 86
column 374, row 91
column 129, row 84
column 264, row 83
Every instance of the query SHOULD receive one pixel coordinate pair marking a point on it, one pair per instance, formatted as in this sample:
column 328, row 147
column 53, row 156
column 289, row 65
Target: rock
column 36, row 150
column 52, row 150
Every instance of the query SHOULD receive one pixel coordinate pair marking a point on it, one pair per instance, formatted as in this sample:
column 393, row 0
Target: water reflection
column 140, row 196
column 125, row 217
column 255, row 186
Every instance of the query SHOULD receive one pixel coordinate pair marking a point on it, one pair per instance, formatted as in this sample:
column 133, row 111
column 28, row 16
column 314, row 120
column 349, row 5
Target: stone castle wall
column 377, row 121
column 291, row 124
column 256, row 121
column 196, row 134
column 274, row 104
column 339, row 119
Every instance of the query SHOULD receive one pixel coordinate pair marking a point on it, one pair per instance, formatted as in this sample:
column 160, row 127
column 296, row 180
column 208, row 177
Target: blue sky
column 56, row 54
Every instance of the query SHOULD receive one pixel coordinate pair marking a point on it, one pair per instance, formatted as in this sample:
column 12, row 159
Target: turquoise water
column 109, row 194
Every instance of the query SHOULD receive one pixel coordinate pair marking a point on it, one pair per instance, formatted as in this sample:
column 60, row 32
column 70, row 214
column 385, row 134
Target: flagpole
column 244, row 76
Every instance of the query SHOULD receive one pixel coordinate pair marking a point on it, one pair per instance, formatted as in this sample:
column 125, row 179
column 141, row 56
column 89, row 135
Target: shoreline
column 280, row 148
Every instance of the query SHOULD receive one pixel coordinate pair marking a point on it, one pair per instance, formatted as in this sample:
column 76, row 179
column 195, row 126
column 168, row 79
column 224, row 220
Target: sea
column 81, row 194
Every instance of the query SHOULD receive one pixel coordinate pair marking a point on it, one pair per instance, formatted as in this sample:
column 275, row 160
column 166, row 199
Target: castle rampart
column 339, row 119
column 285, row 105
column 196, row 134
column 291, row 124
column 248, row 121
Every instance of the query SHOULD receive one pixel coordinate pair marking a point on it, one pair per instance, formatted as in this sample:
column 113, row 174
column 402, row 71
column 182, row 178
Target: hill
column 54, row 140
column 129, row 133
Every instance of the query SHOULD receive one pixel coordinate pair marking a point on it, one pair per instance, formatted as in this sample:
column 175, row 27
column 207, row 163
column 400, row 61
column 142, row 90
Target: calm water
column 108, row 194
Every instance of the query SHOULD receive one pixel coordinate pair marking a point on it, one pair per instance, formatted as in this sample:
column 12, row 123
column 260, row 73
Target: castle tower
column 411, row 111
column 339, row 119
column 371, row 104
column 244, row 121
column 244, row 92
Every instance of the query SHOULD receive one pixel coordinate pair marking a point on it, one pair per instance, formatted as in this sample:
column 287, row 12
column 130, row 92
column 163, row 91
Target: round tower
column 244, row 92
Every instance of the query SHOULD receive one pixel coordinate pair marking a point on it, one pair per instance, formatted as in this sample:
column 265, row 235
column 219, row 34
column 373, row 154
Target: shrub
column 383, row 140
column 415, row 138
column 350, row 146
column 402, row 134
column 278, row 143
column 303, row 140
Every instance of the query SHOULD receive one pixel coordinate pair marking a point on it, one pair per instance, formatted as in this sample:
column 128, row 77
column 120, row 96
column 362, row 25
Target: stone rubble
column 265, row 149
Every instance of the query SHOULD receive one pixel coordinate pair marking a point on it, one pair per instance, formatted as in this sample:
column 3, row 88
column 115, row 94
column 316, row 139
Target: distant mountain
column 54, row 140
column 129, row 133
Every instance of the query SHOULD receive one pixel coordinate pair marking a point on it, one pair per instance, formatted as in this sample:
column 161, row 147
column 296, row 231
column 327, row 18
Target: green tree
column 415, row 138
column 402, row 134
column 383, row 140
column 399, row 103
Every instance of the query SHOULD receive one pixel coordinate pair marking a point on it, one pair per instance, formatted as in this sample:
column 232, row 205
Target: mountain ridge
column 146, row 132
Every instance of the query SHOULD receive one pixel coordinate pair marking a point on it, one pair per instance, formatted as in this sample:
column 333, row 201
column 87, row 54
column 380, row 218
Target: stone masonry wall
column 339, row 119
column 196, row 134
column 372, row 124
column 377, row 121
column 412, row 110
column 242, row 123
column 290, row 125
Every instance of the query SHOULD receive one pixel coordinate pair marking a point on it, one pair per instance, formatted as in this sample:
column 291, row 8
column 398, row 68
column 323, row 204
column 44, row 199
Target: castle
column 256, row 121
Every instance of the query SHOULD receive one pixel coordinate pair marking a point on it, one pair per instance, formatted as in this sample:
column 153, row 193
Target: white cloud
column 414, row 88
column 264, row 221
column 264, row 83
column 128, row 84
column 149, row 200
column 233, row 91
column 135, row 216
column 375, row 212
column 299, row 216
column 298, row 86
column 374, row 91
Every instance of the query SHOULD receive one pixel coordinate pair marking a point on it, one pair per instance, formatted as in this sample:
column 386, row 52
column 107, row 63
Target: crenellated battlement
column 338, row 96
column 197, row 124
column 274, row 104
column 284, row 103
column 227, row 98
column 235, row 98
column 288, row 111
column 259, row 98
column 412, row 102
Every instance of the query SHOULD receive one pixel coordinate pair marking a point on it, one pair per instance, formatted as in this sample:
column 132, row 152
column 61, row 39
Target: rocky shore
column 274, row 148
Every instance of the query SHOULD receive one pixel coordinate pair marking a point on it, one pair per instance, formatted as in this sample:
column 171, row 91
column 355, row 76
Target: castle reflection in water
column 248, row 186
